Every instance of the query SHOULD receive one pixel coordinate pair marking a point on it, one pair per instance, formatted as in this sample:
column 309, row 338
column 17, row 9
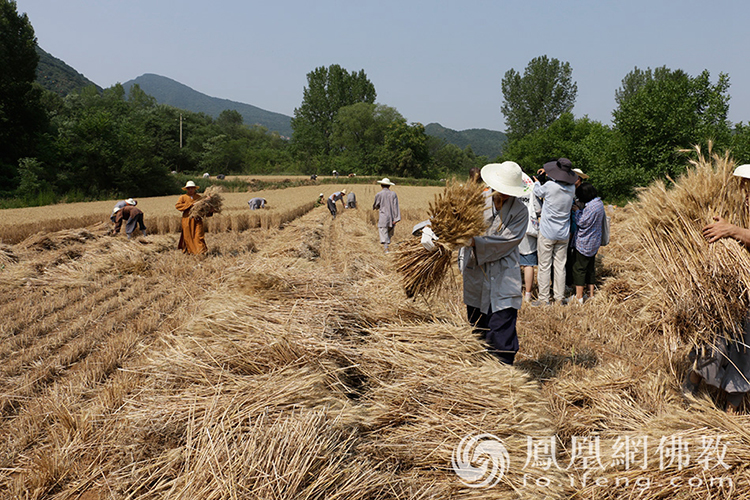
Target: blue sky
column 435, row 61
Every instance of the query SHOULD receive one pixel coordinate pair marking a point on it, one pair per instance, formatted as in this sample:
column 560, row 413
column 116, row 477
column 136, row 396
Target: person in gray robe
column 726, row 363
column 351, row 200
column 257, row 203
column 386, row 202
column 491, row 270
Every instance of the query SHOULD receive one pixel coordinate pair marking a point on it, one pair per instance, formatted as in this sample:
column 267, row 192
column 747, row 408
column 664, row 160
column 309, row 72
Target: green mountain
column 483, row 142
column 53, row 74
column 168, row 91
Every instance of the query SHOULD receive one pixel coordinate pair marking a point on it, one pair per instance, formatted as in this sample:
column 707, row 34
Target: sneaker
column 573, row 301
column 539, row 303
column 527, row 297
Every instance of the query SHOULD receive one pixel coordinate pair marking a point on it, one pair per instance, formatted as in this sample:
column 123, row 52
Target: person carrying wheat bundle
column 726, row 364
column 192, row 239
column 491, row 270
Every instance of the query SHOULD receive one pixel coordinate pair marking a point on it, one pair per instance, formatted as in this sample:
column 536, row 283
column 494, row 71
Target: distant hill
column 483, row 142
column 168, row 91
column 53, row 74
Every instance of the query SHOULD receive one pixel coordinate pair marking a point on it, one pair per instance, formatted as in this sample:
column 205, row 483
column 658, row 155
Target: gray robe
column 387, row 202
column 492, row 274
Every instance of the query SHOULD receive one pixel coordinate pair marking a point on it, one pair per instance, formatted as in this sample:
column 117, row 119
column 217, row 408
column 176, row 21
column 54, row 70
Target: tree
column 22, row 117
column 405, row 152
column 536, row 99
column 329, row 89
column 359, row 133
column 664, row 112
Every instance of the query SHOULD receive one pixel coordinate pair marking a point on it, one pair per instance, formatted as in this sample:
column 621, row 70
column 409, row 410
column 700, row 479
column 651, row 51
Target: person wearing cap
column 256, row 203
column 337, row 196
column 320, row 199
column 726, row 364
column 492, row 273
column 192, row 237
column 389, row 214
column 133, row 215
column 351, row 200
column 554, row 226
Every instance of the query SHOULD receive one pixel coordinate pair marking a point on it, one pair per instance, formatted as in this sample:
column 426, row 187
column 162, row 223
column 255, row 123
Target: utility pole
column 180, row 130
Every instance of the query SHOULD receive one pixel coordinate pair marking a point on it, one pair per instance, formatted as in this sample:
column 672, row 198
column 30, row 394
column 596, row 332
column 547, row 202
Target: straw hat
column 189, row 184
column 386, row 182
column 506, row 178
column 561, row 170
column 743, row 171
column 580, row 173
column 131, row 201
column 343, row 191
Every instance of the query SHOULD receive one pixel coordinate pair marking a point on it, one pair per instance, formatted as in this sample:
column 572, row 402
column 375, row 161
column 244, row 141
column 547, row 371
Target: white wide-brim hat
column 743, row 171
column 580, row 173
column 190, row 184
column 505, row 178
column 386, row 182
column 131, row 201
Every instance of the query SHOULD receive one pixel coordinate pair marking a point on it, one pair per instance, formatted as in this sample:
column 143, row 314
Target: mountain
column 483, row 142
column 53, row 74
column 168, row 91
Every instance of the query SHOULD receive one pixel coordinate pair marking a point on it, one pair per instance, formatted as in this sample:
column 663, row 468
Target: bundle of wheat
column 422, row 271
column 456, row 216
column 702, row 288
column 209, row 204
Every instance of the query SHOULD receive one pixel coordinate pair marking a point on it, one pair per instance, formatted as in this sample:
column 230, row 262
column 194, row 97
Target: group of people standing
column 543, row 217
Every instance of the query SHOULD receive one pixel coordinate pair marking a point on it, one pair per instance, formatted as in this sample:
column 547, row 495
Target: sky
column 435, row 61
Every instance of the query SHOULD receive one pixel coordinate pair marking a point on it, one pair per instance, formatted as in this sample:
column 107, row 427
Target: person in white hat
column 133, row 217
column 726, row 365
column 331, row 203
column 389, row 214
column 491, row 272
column 192, row 238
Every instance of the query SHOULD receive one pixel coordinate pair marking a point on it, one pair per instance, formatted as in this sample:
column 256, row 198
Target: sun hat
column 386, row 182
column 131, row 201
column 561, row 170
column 189, row 184
column 343, row 191
column 321, row 194
column 505, row 178
column 580, row 173
column 743, row 171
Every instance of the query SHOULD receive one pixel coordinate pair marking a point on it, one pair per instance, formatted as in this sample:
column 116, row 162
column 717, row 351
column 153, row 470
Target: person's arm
column 723, row 229
column 184, row 203
column 376, row 203
column 396, row 210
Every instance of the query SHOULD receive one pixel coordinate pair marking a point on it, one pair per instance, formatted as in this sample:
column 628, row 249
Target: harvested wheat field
column 288, row 363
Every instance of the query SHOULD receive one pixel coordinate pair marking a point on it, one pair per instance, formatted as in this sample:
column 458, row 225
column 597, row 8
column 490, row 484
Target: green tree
column 535, row 100
column 22, row 117
column 741, row 144
column 405, row 152
column 328, row 90
column 667, row 111
column 359, row 132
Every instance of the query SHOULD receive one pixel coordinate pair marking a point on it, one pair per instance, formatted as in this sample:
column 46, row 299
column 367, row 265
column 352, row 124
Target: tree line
column 101, row 144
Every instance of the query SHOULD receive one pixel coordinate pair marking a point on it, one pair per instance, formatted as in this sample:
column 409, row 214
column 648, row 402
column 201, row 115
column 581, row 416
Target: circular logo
column 480, row 461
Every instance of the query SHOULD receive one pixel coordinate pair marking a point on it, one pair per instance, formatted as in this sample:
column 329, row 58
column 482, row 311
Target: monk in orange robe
column 192, row 239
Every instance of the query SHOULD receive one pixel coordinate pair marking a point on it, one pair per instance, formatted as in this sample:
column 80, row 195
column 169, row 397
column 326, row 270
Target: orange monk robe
column 192, row 239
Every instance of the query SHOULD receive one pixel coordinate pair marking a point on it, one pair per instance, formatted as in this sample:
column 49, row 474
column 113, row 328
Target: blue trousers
column 499, row 330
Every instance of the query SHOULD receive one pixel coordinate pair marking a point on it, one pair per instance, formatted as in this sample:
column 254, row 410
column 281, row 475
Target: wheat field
column 288, row 363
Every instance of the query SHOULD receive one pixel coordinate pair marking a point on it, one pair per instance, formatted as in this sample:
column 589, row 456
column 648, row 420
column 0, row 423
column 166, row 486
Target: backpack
column 605, row 230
